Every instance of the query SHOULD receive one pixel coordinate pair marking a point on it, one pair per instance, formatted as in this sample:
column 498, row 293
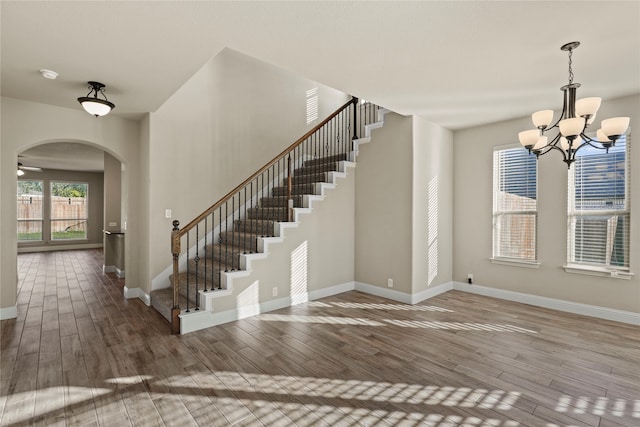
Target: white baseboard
column 552, row 303
column 332, row 290
column 401, row 296
column 8, row 312
column 431, row 292
column 196, row 320
column 383, row 292
column 137, row 293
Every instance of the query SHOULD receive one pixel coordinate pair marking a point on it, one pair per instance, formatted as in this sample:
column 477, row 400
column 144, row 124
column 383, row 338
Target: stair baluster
column 263, row 199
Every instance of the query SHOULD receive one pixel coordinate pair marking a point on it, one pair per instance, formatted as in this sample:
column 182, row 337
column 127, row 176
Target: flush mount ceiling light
column 94, row 105
column 49, row 74
column 574, row 119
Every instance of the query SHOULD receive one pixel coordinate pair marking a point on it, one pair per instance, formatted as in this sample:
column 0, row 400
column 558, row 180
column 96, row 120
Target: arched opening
column 70, row 196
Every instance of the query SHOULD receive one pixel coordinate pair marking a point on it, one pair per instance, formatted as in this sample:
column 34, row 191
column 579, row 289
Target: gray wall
column 404, row 206
column 233, row 116
column 383, row 206
column 472, row 219
column 115, row 135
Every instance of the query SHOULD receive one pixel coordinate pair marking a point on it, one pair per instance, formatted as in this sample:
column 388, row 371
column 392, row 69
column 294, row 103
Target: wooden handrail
column 177, row 234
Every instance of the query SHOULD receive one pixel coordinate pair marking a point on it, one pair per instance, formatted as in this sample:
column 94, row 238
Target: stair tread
column 319, row 168
column 327, row 159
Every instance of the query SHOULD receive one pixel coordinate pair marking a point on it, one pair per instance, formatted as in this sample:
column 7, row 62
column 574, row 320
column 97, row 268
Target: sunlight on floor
column 375, row 306
column 453, row 326
column 318, row 319
column 376, row 391
column 296, row 398
column 457, row 326
column 598, row 406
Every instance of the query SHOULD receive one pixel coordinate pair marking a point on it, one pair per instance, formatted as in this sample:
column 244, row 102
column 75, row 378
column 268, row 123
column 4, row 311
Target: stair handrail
column 177, row 233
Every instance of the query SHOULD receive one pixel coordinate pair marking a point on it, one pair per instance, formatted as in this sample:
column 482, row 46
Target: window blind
column 514, row 204
column 598, row 212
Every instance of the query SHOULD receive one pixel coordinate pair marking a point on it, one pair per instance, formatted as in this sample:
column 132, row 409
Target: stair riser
column 273, row 214
column 281, row 201
column 219, row 262
column 192, row 286
column 246, row 242
column 306, row 179
column 295, row 190
column 261, row 227
column 316, row 169
column 323, row 160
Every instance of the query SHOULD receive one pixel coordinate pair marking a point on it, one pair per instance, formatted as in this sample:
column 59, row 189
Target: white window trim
column 592, row 270
column 514, row 262
column 572, row 214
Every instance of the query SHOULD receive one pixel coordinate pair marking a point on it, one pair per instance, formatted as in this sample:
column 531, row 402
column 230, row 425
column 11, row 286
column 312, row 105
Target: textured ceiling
column 456, row 63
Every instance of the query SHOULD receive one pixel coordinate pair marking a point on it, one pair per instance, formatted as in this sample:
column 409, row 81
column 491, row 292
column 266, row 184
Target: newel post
column 289, row 191
column 355, row 123
column 175, row 281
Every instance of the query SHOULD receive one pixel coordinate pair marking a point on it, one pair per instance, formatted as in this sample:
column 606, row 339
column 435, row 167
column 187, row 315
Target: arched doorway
column 70, row 197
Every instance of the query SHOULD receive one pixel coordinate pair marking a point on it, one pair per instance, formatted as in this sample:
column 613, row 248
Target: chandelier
column 94, row 105
column 575, row 118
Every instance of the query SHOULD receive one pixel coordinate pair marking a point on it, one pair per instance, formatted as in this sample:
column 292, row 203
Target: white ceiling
column 456, row 63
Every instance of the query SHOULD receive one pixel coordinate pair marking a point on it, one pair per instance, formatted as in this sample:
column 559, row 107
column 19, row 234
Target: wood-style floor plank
column 79, row 353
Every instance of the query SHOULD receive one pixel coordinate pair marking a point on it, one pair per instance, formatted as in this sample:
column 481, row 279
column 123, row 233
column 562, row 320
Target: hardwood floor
column 81, row 354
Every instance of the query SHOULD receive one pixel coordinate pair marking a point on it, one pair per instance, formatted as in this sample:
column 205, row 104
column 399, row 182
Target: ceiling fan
column 22, row 168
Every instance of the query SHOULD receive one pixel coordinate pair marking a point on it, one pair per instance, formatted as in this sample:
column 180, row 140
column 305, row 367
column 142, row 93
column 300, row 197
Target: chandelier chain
column 570, row 69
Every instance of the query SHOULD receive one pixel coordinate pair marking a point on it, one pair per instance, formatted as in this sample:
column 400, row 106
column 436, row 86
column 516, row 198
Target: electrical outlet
column 275, row 292
column 390, row 283
column 167, row 213
column 470, row 278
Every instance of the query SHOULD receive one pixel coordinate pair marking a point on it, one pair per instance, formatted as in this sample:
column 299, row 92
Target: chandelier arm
column 544, row 150
column 555, row 140
column 591, row 145
column 562, row 114
column 588, row 139
column 555, row 147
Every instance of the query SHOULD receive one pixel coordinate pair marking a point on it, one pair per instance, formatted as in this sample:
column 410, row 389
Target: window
column 29, row 211
column 514, row 205
column 69, row 210
column 598, row 211
column 313, row 105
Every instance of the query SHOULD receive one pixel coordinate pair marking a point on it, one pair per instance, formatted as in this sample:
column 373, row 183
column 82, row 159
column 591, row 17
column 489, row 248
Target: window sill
column 590, row 270
column 515, row 262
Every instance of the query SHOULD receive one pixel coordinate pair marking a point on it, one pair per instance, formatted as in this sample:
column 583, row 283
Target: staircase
column 219, row 243
column 225, row 254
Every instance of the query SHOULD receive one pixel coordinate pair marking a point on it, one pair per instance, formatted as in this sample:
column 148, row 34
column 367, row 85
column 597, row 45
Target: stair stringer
column 241, row 296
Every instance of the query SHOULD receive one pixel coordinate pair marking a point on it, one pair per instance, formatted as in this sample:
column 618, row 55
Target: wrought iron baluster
column 187, row 276
column 197, row 261
column 206, row 257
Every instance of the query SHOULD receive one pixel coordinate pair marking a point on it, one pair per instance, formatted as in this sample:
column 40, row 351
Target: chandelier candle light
column 576, row 116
